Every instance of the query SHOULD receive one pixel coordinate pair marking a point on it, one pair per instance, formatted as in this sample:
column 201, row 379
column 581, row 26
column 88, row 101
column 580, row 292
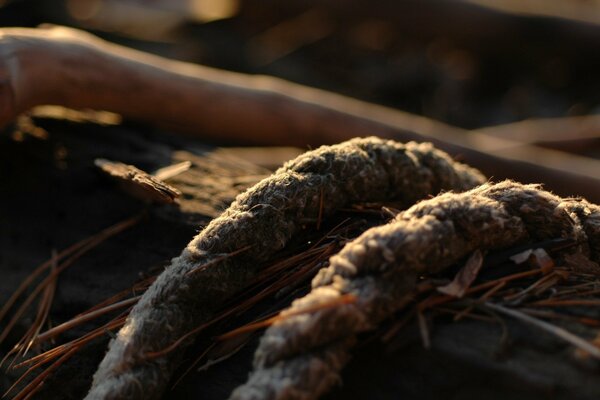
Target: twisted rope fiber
column 300, row 357
column 264, row 218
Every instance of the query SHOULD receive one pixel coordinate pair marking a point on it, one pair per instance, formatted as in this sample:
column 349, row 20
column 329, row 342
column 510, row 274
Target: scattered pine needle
column 424, row 330
column 49, row 355
column 342, row 300
column 37, row 382
column 321, row 206
column 46, row 289
column 219, row 259
column 557, row 331
column 546, row 314
column 35, row 273
column 436, row 300
column 482, row 299
column 243, row 303
column 295, row 271
column 193, row 365
column 566, row 303
column 576, row 291
column 543, row 283
column 43, row 311
column 89, row 316
column 90, row 244
column 466, row 313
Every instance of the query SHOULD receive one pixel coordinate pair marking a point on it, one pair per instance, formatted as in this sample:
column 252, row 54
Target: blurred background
column 468, row 63
column 481, row 65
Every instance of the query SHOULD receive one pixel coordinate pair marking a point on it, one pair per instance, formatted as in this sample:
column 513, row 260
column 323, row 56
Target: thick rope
column 301, row 356
column 261, row 221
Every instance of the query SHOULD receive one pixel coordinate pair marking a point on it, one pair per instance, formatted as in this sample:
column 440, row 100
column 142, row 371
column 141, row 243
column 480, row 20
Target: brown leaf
column 465, row 277
column 541, row 259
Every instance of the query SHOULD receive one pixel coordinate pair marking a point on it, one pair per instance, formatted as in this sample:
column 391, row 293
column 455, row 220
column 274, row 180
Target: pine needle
column 557, row 331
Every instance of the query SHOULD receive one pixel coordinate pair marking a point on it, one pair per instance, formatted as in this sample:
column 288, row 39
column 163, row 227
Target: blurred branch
column 580, row 11
column 548, row 130
column 74, row 69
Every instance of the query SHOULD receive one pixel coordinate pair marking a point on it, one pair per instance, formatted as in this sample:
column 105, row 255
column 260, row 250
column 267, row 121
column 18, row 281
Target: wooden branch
column 68, row 67
column 548, row 130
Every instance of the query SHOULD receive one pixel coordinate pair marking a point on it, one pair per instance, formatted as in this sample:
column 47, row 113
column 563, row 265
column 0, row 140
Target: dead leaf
column 541, row 259
column 521, row 257
column 465, row 277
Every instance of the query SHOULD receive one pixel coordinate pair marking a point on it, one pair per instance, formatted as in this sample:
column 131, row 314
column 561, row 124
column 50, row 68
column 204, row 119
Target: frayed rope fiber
column 262, row 220
column 300, row 356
